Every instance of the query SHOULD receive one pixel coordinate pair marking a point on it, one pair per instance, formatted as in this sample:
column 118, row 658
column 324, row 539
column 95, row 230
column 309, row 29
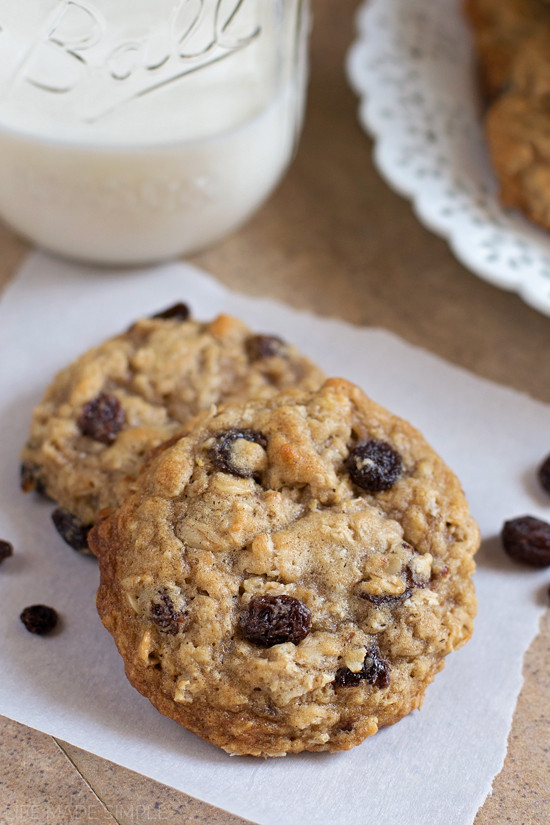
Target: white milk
column 136, row 204
column 131, row 151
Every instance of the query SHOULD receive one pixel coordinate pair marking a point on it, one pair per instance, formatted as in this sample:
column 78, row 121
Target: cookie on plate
column 518, row 132
column 500, row 28
column 290, row 574
column 103, row 414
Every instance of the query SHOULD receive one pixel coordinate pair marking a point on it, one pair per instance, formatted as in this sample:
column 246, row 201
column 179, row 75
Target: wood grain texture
column 334, row 239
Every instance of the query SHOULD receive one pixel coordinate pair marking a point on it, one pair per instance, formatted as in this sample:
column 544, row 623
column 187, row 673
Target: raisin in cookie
column 290, row 574
column 105, row 412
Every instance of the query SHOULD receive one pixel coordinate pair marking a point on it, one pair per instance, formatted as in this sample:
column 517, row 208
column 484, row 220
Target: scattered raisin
column 265, row 346
column 375, row 671
column 272, row 620
column 374, row 465
column 6, row 550
column 165, row 615
column 527, row 539
column 179, row 311
column 71, row 529
column 544, row 474
column 222, row 456
column 102, row 419
column 31, row 478
column 39, row 619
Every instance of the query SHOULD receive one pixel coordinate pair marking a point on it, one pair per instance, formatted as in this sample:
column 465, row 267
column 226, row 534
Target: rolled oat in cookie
column 104, row 413
column 290, row 573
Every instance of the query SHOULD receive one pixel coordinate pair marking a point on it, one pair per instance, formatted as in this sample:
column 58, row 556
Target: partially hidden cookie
column 500, row 29
column 103, row 414
column 518, row 132
column 290, row 574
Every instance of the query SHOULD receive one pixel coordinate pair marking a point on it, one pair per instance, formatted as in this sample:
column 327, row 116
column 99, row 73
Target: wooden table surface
column 335, row 240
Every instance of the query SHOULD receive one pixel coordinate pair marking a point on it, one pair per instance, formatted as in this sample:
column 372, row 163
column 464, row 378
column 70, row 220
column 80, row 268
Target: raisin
column 31, row 478
column 71, row 529
column 544, row 474
column 179, row 312
column 273, row 620
column 527, row 539
column 374, row 465
column 375, row 671
column 102, row 419
column 39, row 619
column 165, row 615
column 6, row 550
column 222, row 453
column 265, row 346
column 385, row 599
column 347, row 678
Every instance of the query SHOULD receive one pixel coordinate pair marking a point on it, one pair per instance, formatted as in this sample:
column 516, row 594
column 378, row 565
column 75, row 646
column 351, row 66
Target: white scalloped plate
column 412, row 66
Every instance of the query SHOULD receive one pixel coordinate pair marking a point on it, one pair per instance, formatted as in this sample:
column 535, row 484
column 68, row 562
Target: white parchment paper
column 435, row 766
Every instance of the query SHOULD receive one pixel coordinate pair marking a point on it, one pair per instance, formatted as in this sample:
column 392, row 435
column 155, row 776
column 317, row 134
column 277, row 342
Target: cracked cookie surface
column 103, row 414
column 269, row 595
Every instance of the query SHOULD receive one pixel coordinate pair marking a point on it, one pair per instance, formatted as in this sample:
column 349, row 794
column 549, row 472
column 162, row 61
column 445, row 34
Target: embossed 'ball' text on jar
column 137, row 130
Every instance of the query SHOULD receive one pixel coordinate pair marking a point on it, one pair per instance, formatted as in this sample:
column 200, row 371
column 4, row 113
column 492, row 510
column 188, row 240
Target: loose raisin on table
column 71, row 529
column 31, row 478
column 221, row 454
column 374, row 465
column 375, row 671
column 6, row 550
column 544, row 474
column 39, row 619
column 179, row 312
column 102, row 418
column 264, row 346
column 273, row 620
column 165, row 615
column 527, row 539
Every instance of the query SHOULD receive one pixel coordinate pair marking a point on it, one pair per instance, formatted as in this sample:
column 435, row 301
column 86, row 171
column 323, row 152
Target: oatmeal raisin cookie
column 290, row 574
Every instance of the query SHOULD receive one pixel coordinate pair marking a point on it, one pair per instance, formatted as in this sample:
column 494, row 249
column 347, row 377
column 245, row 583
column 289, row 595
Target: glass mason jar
column 137, row 130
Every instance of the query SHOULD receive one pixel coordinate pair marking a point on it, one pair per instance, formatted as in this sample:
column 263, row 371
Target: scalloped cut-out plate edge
column 413, row 67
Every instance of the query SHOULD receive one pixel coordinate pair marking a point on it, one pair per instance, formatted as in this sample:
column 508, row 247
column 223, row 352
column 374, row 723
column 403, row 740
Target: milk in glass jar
column 137, row 130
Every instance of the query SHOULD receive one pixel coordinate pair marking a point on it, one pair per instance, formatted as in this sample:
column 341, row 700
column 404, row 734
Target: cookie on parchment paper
column 290, row 574
column 102, row 415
